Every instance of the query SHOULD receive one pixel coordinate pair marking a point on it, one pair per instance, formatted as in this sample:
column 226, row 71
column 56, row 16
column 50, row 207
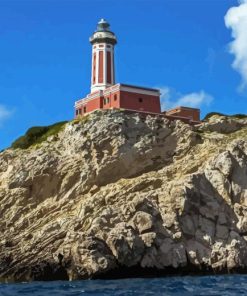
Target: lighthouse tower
column 103, row 72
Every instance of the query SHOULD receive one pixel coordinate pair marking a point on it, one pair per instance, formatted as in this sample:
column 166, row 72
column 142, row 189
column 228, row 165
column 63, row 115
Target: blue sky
column 182, row 46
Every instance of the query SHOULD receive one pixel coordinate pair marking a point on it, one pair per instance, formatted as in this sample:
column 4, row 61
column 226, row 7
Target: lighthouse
column 105, row 92
column 103, row 41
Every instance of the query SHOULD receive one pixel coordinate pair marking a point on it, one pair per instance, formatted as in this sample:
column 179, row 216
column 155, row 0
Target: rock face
column 117, row 191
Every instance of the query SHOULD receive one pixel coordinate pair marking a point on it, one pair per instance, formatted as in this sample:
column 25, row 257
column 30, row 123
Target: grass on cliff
column 37, row 135
column 80, row 119
column 209, row 115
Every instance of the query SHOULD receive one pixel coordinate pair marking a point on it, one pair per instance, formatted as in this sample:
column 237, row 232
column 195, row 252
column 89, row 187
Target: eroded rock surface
column 120, row 190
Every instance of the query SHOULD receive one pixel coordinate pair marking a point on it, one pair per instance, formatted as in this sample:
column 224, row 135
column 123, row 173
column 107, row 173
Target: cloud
column 170, row 98
column 195, row 99
column 236, row 20
column 4, row 113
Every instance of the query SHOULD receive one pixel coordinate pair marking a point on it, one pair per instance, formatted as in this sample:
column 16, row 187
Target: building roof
column 140, row 87
column 182, row 107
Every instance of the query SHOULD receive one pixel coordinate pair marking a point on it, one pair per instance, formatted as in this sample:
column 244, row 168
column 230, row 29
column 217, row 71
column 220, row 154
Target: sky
column 195, row 51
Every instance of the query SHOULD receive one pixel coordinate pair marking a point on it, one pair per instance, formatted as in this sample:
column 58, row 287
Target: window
column 115, row 97
column 78, row 112
column 108, row 100
column 84, row 109
column 140, row 100
column 104, row 101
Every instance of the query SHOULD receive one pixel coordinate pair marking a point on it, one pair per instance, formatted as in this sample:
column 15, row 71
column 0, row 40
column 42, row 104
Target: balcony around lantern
column 106, row 36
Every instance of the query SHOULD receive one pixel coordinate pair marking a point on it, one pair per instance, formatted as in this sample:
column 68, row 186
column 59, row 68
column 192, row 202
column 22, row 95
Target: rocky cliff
column 118, row 193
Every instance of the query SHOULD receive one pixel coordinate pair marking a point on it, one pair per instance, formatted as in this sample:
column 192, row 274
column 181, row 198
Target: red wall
column 109, row 67
column 91, row 105
column 125, row 100
column 129, row 100
column 94, row 68
column 112, row 102
column 101, row 67
column 98, row 103
column 191, row 113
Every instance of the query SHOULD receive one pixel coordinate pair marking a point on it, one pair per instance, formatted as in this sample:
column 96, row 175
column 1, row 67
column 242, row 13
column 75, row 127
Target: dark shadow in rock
column 46, row 271
column 138, row 272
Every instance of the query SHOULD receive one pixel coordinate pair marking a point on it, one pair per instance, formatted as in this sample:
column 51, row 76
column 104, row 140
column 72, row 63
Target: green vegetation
column 239, row 116
column 37, row 135
column 84, row 118
column 80, row 119
column 75, row 121
column 212, row 114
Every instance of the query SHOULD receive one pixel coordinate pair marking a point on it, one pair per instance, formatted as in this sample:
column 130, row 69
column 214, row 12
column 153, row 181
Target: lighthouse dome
column 103, row 33
column 103, row 25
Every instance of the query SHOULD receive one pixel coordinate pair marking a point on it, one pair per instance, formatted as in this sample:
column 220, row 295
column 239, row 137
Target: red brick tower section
column 103, row 42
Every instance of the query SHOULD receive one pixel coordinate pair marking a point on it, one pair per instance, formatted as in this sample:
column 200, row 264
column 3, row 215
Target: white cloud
column 236, row 20
column 4, row 113
column 170, row 98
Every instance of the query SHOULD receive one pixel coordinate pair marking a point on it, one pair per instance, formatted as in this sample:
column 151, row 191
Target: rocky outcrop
column 117, row 191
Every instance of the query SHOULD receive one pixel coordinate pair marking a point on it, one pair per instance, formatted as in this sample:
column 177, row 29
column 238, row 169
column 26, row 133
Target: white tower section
column 103, row 72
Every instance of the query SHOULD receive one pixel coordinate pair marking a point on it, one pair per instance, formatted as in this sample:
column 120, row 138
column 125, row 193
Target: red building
column 122, row 96
column 186, row 114
column 105, row 94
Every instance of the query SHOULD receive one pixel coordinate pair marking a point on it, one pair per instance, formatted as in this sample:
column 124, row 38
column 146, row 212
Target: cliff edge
column 117, row 193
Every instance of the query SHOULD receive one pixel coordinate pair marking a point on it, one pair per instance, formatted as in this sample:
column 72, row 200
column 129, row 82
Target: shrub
column 37, row 134
column 81, row 119
column 239, row 116
column 212, row 114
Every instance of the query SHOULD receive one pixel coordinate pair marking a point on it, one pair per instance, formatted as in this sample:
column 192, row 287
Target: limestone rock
column 118, row 190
